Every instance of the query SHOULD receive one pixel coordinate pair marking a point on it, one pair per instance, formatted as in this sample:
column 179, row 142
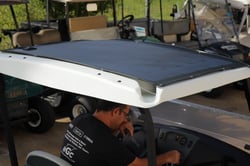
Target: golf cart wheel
column 81, row 105
column 213, row 93
column 41, row 116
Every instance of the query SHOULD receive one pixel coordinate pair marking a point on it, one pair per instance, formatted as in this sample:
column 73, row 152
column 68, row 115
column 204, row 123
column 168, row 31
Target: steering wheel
column 124, row 26
column 138, row 144
column 125, row 21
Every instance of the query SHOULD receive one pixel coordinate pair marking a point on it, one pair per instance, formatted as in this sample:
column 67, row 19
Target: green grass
column 138, row 8
column 38, row 12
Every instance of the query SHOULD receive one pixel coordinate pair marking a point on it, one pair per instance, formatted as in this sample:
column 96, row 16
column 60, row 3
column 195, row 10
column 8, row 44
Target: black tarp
column 157, row 64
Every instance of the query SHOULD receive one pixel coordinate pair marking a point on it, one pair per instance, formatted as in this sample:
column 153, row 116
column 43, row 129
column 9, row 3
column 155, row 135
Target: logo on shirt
column 68, row 150
column 78, row 132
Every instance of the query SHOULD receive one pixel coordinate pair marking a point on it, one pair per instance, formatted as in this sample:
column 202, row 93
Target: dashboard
column 168, row 139
column 196, row 149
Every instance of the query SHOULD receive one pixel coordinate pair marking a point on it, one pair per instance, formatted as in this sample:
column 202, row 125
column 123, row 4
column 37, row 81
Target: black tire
column 41, row 116
column 213, row 93
column 81, row 105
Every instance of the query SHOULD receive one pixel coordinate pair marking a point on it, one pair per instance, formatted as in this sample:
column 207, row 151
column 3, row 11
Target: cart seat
column 108, row 33
column 23, row 39
column 86, row 23
column 172, row 31
column 41, row 158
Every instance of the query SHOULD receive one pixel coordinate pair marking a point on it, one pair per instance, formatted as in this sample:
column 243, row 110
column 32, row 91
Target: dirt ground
column 26, row 142
column 232, row 100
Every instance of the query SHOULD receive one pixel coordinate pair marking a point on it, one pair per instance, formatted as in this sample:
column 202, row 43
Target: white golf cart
column 148, row 77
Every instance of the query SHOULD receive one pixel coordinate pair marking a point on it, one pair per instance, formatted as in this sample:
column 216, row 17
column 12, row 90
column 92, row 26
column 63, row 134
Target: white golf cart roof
column 135, row 73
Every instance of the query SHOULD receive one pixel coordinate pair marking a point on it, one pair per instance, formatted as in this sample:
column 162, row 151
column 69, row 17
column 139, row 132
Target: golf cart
column 25, row 105
column 216, row 33
column 202, row 25
column 27, row 36
column 25, row 101
column 148, row 77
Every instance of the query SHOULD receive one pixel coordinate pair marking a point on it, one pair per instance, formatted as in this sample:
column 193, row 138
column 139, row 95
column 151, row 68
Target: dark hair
column 103, row 105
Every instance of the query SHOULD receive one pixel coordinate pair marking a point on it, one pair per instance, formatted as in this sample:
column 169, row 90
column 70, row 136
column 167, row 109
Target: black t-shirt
column 90, row 142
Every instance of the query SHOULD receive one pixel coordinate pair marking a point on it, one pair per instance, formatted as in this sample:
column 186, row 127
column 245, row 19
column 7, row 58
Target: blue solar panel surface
column 158, row 64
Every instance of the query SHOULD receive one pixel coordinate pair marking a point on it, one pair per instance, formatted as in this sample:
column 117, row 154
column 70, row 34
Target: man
column 90, row 139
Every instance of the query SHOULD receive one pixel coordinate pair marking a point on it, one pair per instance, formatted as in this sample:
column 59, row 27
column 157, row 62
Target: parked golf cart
column 25, row 105
column 36, row 106
column 206, row 25
column 216, row 33
column 199, row 25
column 17, row 28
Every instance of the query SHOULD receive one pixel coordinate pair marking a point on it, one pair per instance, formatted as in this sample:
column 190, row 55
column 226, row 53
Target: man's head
column 112, row 114
column 103, row 105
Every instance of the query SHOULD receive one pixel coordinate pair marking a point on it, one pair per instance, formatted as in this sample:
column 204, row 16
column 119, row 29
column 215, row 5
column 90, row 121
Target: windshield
column 214, row 21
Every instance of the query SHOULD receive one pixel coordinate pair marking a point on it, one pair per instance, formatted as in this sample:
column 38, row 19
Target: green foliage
column 57, row 10
column 138, row 8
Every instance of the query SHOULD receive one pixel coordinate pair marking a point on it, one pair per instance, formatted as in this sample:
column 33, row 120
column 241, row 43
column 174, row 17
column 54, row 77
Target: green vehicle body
column 17, row 93
column 17, row 89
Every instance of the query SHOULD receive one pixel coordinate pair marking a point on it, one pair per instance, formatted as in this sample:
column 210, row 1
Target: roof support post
column 150, row 138
column 14, row 17
column 247, row 92
column 6, row 123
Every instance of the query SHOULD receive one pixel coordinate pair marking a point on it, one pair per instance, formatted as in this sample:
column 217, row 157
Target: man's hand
column 127, row 128
column 173, row 157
